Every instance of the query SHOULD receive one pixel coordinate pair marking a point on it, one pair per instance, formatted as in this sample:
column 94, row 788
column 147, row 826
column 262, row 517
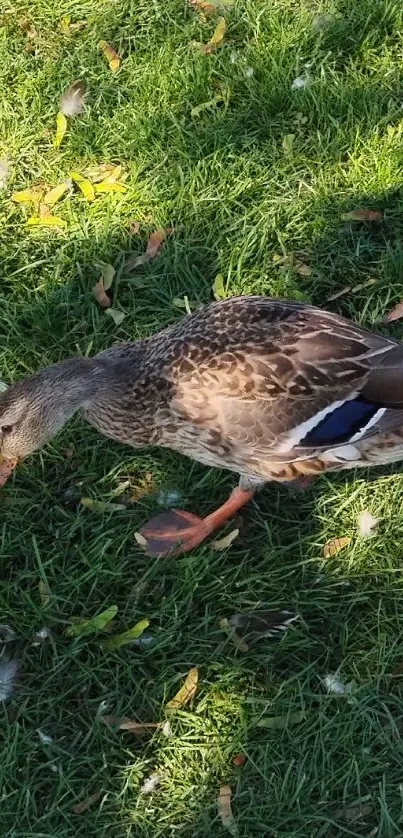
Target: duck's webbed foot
column 177, row 531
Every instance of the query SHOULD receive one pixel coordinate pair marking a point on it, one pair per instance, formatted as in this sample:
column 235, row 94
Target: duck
column 273, row 390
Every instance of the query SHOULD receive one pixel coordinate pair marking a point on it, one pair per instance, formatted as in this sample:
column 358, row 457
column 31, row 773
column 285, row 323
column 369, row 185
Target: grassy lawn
column 253, row 187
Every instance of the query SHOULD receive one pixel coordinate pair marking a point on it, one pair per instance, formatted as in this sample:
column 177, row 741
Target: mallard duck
column 270, row 389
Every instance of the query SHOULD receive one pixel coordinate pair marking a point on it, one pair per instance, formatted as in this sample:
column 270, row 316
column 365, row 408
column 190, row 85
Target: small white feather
column 150, row 783
column 44, row 737
column 335, row 685
column 8, row 676
column 299, row 83
column 4, row 172
column 72, row 102
column 367, row 524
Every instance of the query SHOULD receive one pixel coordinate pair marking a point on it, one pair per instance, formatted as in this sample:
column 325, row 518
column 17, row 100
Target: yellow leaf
column 64, row 25
column 334, row 545
column 61, row 128
column 101, row 505
column 128, row 636
column 107, row 186
column 53, row 196
column 84, row 185
column 110, row 55
column 114, row 175
column 217, row 37
column 186, row 693
column 46, row 221
column 27, row 196
column 225, row 542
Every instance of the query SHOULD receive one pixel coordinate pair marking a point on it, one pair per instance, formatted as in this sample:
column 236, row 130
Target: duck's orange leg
column 177, row 531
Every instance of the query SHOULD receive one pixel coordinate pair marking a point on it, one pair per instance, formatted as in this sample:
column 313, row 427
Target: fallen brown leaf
column 362, row 215
column 334, row 545
column 110, row 55
column 395, row 313
column 100, row 294
column 225, row 811
column 83, row 805
column 186, row 692
column 123, row 723
column 155, row 241
column 154, row 245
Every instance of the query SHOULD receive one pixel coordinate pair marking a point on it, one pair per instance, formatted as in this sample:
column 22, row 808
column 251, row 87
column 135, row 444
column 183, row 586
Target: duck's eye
column 6, row 429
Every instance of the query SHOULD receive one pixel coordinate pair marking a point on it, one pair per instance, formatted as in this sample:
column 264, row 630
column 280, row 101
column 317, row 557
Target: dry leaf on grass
column 280, row 722
column 301, row 268
column 116, row 315
column 218, row 289
column 154, row 245
column 44, row 593
column 85, row 185
column 352, row 289
column 51, row 197
column 110, row 54
column 217, row 37
column 124, row 723
column 129, row 636
column 61, row 128
column 109, row 186
column 86, row 804
column 362, row 215
column 102, row 505
column 225, row 811
column 334, row 545
column 287, row 143
column 238, row 760
column 72, row 102
column 67, row 28
column 134, row 227
column 355, row 812
column 225, row 542
column 46, row 219
column 103, row 285
column 28, row 196
column 81, row 628
column 186, row 692
column 395, row 313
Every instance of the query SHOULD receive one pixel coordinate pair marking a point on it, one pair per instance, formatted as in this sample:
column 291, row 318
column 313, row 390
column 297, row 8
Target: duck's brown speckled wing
column 251, row 369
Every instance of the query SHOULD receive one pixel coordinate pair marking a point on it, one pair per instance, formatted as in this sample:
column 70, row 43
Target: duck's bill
column 6, row 468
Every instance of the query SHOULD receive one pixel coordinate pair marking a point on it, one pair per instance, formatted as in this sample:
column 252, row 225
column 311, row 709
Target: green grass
column 235, row 198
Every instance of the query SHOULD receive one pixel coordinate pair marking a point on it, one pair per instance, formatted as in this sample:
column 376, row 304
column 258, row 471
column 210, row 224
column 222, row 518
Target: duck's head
column 34, row 410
